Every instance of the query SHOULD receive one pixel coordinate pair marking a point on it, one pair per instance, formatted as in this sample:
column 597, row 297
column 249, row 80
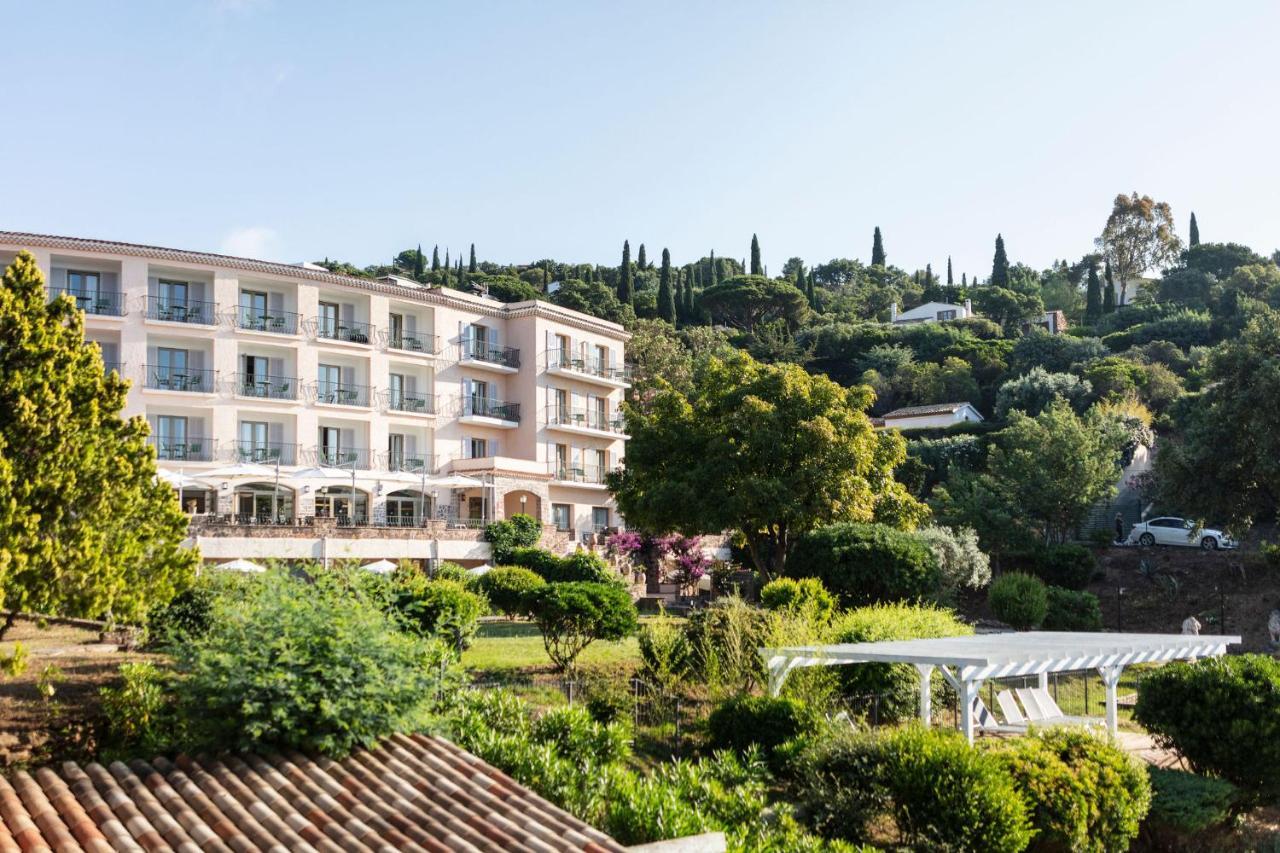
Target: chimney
column 968, row 307
column 893, row 312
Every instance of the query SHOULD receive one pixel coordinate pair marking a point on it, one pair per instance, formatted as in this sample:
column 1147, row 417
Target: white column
column 968, row 694
column 926, row 692
column 1111, row 679
column 1044, row 681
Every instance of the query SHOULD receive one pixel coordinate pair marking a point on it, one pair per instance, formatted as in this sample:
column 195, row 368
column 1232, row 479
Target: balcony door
column 396, row 330
column 562, row 460
column 396, row 390
column 86, row 285
column 255, row 442
column 173, row 294
column 562, row 406
column 602, row 465
column 328, row 381
column 253, row 309
column 171, row 437
column 477, row 397
column 600, row 412
column 328, row 320
column 395, row 451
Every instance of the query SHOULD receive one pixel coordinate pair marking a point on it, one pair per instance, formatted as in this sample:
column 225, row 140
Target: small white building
column 929, row 417
column 931, row 312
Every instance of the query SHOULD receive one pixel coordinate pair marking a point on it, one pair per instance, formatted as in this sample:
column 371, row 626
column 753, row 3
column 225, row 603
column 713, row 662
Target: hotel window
column 562, row 516
column 173, row 294
column 599, row 517
column 253, row 310
column 562, row 406
column 564, row 350
column 396, row 332
column 602, row 360
column 601, row 413
column 395, row 450
column 328, row 320
column 562, row 460
column 253, row 442
column 477, row 448
column 328, row 380
column 83, row 283
column 331, row 444
column 396, row 381
column 170, row 430
column 602, row 463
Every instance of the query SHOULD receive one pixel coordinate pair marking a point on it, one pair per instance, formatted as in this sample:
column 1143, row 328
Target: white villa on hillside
column 931, row 312
column 310, row 415
column 929, row 417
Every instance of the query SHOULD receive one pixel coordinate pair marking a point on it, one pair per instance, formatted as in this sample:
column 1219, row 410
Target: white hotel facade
column 311, row 415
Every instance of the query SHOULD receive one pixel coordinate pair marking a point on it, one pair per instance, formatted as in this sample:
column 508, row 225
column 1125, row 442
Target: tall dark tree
column 1194, row 237
column 1093, row 295
column 624, row 275
column 666, row 297
column 877, row 249
column 1109, row 295
column 446, row 260
column 462, row 277
column 951, row 280
column 928, row 275
column 756, row 269
column 810, row 290
column 964, row 279
column 472, row 267
column 641, row 260
column 800, row 284
column 435, row 259
column 1000, row 265
column 715, row 269
column 419, row 263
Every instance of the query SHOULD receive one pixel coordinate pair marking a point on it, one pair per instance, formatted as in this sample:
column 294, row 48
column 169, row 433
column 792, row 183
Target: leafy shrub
column 537, row 560
column 574, row 733
column 574, row 614
column 311, row 665
column 724, row 640
column 897, row 684
column 806, row 596
column 960, row 557
column 1070, row 610
column 441, row 608
column 665, row 655
column 1183, row 804
column 867, row 563
column 1019, row 600
column 140, row 713
column 1222, row 715
column 1086, row 794
column 518, row 531
column 941, row 793
column 578, row 566
column 507, row 588
column 763, row 721
column 16, row 662
column 1068, row 566
column 1270, row 554
column 1037, row 388
column 187, row 613
column 609, row 701
column 448, row 571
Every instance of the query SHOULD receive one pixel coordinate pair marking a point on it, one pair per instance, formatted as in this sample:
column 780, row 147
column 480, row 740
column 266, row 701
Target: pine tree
column 462, row 277
column 472, row 267
column 640, row 259
column 419, row 264
column 666, row 298
column 715, row 269
column 1093, row 296
column 446, row 260
column 1000, row 265
column 1195, row 231
column 951, row 281
column 435, row 259
column 877, row 249
column 928, row 275
column 811, row 290
column 964, row 279
column 625, row 274
column 756, row 269
column 86, row 530
column 1109, row 295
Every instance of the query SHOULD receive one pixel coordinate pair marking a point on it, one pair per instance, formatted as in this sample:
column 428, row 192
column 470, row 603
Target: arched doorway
column 263, row 503
column 347, row 505
column 521, row 501
column 408, row 508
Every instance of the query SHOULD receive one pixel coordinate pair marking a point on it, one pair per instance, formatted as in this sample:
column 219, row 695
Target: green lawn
column 507, row 647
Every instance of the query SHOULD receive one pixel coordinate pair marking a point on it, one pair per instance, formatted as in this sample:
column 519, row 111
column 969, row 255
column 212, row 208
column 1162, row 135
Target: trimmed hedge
column 806, row 596
column 508, row 588
column 1068, row 566
column 1183, row 804
column 867, row 563
column 764, row 721
column 578, row 566
column 1072, row 611
column 1019, row 600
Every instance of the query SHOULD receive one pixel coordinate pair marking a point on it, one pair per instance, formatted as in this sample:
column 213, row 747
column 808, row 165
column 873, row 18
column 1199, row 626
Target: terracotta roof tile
column 413, row 793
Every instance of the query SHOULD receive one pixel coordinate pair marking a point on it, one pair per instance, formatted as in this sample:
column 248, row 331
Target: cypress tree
column 85, row 527
column 928, row 275
column 471, row 267
column 877, row 249
column 964, row 279
column 756, row 269
column 666, row 298
column 624, row 274
column 419, row 263
column 715, row 269
column 951, row 281
column 446, row 260
column 1109, row 295
column 435, row 259
column 1093, row 296
column 811, row 290
column 1195, row 231
column 1000, row 265
column 640, row 259
column 462, row 277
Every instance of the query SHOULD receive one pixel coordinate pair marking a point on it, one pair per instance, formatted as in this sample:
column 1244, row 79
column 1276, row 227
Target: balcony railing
column 345, row 330
column 261, row 452
column 167, row 378
column 186, row 450
column 413, row 342
column 117, row 366
column 340, row 395
column 487, row 408
column 587, row 418
column 345, row 457
column 412, row 463
column 480, row 351
column 181, row 311
column 108, row 303
column 563, row 360
column 266, row 387
column 589, row 474
column 421, row 404
column 280, row 322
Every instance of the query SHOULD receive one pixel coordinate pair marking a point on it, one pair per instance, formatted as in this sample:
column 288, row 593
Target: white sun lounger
column 1009, row 707
column 986, row 721
column 1043, row 710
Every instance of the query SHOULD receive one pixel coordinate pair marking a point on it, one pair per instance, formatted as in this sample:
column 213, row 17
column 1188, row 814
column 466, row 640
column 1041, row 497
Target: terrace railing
column 279, row 322
column 266, row 387
column 400, row 401
column 488, row 408
column 185, row 450
column 605, row 421
column 566, row 360
column 588, row 474
column 345, row 457
column 413, row 342
column 181, row 311
column 167, row 378
column 339, row 394
column 261, row 452
column 480, row 351
column 108, row 303
column 343, row 330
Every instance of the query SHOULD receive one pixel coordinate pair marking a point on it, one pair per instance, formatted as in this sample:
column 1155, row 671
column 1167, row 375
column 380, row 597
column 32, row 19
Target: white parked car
column 1178, row 531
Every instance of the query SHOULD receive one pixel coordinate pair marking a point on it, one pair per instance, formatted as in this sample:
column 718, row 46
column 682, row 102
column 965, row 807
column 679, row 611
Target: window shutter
column 275, row 433
column 109, row 280
column 347, row 437
column 153, row 286
column 410, row 323
column 195, row 359
column 276, row 366
column 57, row 278
column 347, row 312
column 348, row 375
column 275, row 302
column 410, row 383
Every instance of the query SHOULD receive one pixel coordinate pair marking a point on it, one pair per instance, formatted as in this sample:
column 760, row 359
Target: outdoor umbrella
column 407, row 477
column 180, row 481
column 381, row 567
column 254, row 471
column 477, row 571
column 453, row 481
column 318, row 473
column 241, row 566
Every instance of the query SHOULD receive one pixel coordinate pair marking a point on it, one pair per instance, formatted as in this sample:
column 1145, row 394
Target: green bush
column 1270, row 554
column 575, row 733
column 447, row 571
column 867, row 563
column 507, row 588
column 1069, row 566
column 941, row 793
column 665, row 655
column 724, row 639
column 1183, row 804
column 897, row 684
column 440, row 608
column 140, row 713
column 518, row 531
column 574, row 614
column 806, row 596
column 1085, row 793
column 313, row 665
column 961, row 559
column 764, row 721
column 1222, row 715
column 187, row 613
column 578, row 566
column 1019, row 600
column 1069, row 610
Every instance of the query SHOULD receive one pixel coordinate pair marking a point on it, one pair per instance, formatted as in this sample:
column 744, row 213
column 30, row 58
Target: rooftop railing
column 487, row 408
column 181, row 310
column 605, row 421
column 108, row 303
column 343, row 330
column 266, row 387
column 481, row 351
column 168, row 378
column 279, row 322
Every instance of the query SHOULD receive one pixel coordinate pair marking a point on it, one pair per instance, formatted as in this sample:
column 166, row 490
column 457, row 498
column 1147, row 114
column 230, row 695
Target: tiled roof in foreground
column 411, row 793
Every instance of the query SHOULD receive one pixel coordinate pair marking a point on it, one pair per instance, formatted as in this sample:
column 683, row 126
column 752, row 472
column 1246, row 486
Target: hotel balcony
column 414, row 342
column 584, row 475
column 586, row 421
column 420, row 463
column 260, row 452
column 329, row 394
column 500, row 359
column 564, row 363
column 185, row 450
column 182, row 311
column 346, row 458
column 483, row 411
column 346, row 331
column 413, row 404
column 166, row 378
column 264, row 387
column 274, row 322
column 103, row 303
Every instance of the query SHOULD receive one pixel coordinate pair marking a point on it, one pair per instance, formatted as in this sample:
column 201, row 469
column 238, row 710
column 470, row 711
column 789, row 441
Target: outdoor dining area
column 967, row 662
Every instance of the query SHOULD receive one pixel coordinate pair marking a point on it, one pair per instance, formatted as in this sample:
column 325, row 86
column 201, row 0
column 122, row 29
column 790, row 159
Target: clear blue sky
column 293, row 131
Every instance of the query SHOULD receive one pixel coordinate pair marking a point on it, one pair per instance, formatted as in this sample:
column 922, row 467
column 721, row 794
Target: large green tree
column 877, row 249
column 1138, row 236
column 666, row 296
column 1093, row 296
column 1000, row 264
column 744, row 301
column 1109, row 293
column 1194, row 236
column 756, row 267
column 85, row 527
column 625, row 275
column 769, row 450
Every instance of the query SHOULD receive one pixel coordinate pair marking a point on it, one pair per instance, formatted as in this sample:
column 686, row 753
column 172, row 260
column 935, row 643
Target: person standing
column 1119, row 529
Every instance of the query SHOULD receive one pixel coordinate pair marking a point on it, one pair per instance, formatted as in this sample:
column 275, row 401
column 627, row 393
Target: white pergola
column 966, row 662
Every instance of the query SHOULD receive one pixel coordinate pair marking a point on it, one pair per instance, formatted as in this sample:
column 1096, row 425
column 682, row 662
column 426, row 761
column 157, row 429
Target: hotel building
column 309, row 415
